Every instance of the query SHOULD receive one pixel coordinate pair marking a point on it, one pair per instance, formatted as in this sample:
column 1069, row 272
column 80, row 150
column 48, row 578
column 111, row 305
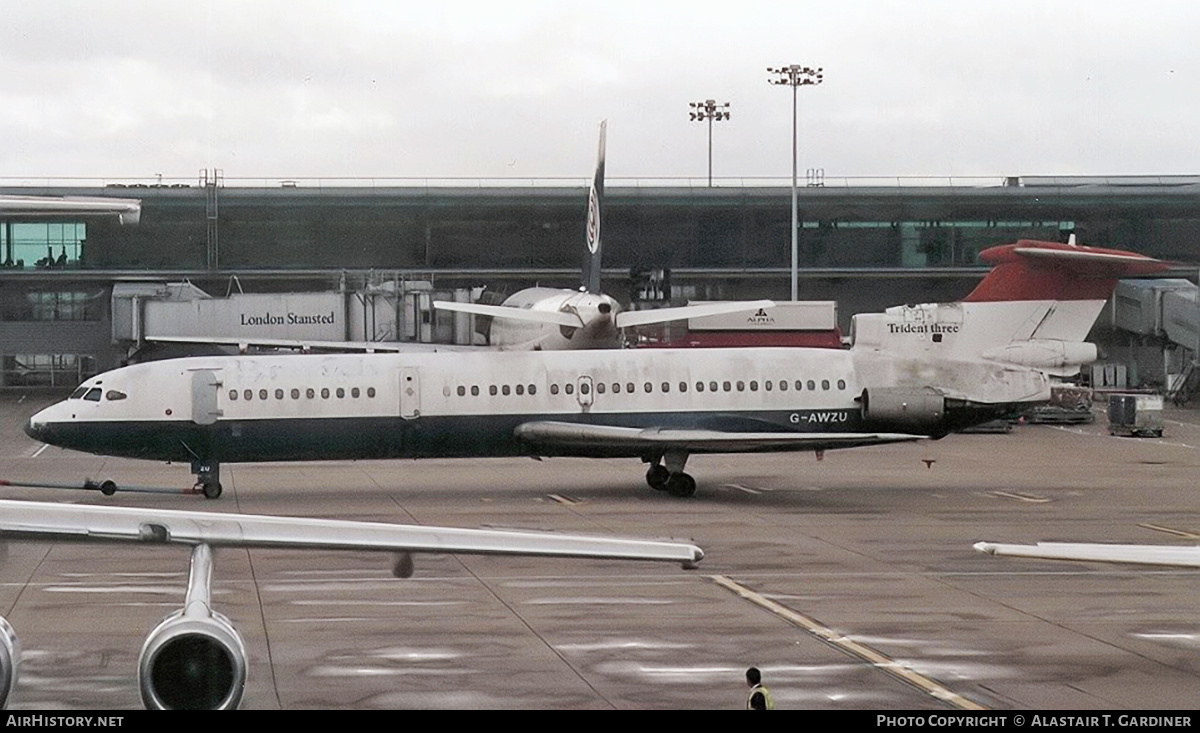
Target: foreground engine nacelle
column 908, row 407
column 10, row 658
column 192, row 663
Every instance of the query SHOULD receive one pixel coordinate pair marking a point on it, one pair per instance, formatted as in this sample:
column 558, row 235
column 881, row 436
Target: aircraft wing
column 1187, row 557
column 67, row 522
column 625, row 319
column 545, row 433
column 554, row 318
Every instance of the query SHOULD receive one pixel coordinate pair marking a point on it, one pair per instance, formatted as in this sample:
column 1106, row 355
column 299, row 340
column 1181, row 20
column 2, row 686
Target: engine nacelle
column 909, row 407
column 192, row 663
column 10, row 659
column 1045, row 354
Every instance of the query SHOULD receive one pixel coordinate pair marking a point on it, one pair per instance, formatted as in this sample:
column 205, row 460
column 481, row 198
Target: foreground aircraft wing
column 42, row 520
column 625, row 319
column 551, row 434
column 1186, row 557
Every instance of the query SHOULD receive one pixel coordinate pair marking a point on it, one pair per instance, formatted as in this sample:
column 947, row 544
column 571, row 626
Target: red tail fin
column 1032, row 270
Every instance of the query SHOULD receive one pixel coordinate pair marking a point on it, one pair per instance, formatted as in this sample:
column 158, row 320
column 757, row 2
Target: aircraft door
column 206, row 385
column 410, row 393
column 584, row 390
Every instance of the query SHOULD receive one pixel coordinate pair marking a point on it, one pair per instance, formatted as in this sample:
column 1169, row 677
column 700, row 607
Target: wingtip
column 985, row 547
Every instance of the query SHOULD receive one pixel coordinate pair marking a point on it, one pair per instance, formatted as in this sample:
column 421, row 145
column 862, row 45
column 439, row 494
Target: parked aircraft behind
column 195, row 659
column 911, row 372
column 536, row 319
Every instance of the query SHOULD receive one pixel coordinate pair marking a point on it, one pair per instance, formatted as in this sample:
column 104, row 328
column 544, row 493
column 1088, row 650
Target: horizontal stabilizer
column 1187, row 557
column 1033, row 270
column 41, row 520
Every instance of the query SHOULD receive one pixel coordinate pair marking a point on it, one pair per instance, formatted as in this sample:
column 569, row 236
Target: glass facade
column 42, row 245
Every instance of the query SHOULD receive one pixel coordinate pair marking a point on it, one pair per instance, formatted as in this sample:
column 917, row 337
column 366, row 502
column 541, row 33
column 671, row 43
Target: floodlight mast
column 795, row 76
column 711, row 111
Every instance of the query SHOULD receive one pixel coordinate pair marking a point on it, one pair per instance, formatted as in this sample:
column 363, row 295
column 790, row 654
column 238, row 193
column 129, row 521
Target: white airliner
column 911, row 372
column 537, row 319
column 195, row 658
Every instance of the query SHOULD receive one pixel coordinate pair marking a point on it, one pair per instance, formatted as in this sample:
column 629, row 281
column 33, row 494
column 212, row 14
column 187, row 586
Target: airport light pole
column 708, row 110
column 795, row 76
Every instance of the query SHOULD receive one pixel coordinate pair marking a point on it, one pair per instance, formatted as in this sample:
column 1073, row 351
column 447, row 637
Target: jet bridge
column 1165, row 314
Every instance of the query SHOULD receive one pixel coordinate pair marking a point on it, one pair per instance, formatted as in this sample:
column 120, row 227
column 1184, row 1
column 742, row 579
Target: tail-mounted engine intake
column 194, row 659
column 10, row 657
column 906, row 407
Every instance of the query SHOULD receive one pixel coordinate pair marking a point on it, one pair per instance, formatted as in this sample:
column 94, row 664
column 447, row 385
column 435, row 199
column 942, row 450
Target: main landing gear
column 208, row 478
column 668, row 476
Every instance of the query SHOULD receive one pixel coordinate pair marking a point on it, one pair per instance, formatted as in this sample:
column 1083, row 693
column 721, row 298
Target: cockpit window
column 114, row 395
column 78, row 393
column 93, row 394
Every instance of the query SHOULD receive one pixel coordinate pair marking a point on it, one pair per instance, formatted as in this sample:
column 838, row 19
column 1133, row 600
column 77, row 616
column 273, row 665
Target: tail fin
column 591, row 260
column 1034, row 309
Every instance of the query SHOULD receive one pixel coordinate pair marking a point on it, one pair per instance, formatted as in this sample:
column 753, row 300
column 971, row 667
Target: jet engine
column 907, row 407
column 194, row 659
column 192, row 662
column 10, row 658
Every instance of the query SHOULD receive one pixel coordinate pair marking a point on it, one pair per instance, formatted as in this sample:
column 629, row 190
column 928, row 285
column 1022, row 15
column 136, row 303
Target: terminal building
column 361, row 261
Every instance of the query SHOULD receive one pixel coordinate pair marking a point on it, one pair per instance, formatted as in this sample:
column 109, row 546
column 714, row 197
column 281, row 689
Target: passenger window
column 648, row 387
column 811, row 385
column 262, row 394
column 683, row 386
column 699, row 386
column 800, row 385
column 232, row 395
column 474, row 390
column 616, row 388
column 279, row 394
column 741, row 386
column 341, row 393
column 767, row 385
column 370, row 391
column 726, row 386
column 600, row 388
column 354, row 392
column 569, row 388
column 310, row 393
column 629, row 387
column 295, row 394
column 324, row 393
column 782, row 386
column 824, row 384
column 666, row 387
column 93, row 395
column 113, row 395
column 554, row 389
column 492, row 390
column 532, row 389
column 248, row 395
column 504, row 390
column 462, row 391
column 585, row 388
column 753, row 386
column 841, row 384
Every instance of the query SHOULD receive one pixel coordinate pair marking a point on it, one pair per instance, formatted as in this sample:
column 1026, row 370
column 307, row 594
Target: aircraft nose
column 35, row 429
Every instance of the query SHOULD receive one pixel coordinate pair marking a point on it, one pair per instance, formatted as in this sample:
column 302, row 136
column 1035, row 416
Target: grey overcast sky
column 362, row 88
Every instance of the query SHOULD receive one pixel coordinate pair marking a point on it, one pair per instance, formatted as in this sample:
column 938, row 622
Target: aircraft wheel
column 108, row 487
column 657, row 476
column 681, row 485
column 212, row 490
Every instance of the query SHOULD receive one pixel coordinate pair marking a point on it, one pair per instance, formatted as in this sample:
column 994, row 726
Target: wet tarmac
column 851, row 581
